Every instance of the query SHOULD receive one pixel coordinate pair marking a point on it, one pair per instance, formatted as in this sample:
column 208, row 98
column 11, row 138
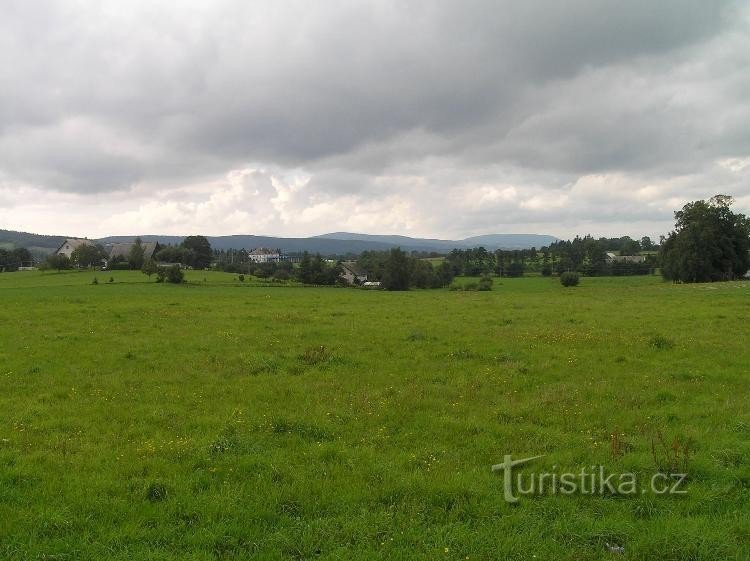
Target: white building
column 264, row 255
column 612, row 258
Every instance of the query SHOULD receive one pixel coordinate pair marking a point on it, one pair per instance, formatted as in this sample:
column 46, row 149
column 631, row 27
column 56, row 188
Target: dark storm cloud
column 370, row 97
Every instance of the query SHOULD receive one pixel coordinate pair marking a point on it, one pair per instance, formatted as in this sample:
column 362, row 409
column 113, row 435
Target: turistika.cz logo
column 590, row 480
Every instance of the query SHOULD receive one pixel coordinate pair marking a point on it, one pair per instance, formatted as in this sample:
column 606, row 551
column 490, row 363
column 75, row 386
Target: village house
column 69, row 246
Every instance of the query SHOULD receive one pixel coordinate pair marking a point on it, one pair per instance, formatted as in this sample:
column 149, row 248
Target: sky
column 433, row 119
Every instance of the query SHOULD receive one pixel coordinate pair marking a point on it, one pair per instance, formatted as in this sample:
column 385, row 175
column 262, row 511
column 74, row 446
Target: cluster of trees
column 709, row 243
column 398, row 271
column 588, row 256
column 478, row 261
column 312, row 269
column 315, row 270
column 194, row 251
column 11, row 260
column 238, row 261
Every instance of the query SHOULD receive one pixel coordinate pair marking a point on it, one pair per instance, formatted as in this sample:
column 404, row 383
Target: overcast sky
column 440, row 119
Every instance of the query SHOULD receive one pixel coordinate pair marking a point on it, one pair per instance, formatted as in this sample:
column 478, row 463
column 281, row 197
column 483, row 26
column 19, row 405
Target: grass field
column 227, row 420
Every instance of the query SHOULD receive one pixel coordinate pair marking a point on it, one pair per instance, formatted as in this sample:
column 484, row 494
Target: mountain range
column 337, row 243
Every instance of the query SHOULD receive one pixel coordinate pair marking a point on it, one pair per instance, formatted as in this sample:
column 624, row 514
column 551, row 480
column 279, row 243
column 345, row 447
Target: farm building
column 352, row 274
column 612, row 258
column 70, row 244
column 123, row 250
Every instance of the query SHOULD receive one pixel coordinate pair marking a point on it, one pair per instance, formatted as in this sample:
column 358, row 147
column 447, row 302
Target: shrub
column 546, row 270
column 95, row 281
column 149, row 268
column 242, row 278
column 569, row 278
column 111, row 279
column 485, row 283
column 171, row 274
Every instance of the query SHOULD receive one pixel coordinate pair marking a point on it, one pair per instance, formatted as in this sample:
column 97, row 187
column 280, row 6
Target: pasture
column 228, row 420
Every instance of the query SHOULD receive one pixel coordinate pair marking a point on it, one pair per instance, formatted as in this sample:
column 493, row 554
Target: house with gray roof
column 70, row 244
column 122, row 250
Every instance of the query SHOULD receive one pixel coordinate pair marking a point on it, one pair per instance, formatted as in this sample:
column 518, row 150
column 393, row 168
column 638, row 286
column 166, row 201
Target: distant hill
column 342, row 243
column 338, row 243
column 510, row 241
column 36, row 243
column 489, row 241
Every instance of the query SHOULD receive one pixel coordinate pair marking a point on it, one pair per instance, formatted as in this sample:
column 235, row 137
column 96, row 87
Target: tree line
column 709, row 243
column 586, row 255
column 12, row 260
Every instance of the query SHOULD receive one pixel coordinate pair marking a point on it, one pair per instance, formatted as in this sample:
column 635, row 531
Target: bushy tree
column 149, row 268
column 88, row 255
column 422, row 274
column 315, row 270
column 59, row 262
column 15, row 258
column 709, row 243
column 201, row 251
column 444, row 275
column 397, row 271
column 569, row 278
column 171, row 274
column 515, row 269
column 136, row 254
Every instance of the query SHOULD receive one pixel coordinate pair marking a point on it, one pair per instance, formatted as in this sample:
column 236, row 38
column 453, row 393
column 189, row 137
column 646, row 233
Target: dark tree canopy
column 11, row 260
column 58, row 261
column 397, row 271
column 201, row 248
column 315, row 270
column 709, row 243
column 136, row 254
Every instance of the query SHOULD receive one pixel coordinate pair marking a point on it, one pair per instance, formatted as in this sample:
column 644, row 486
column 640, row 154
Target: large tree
column 709, row 243
column 88, row 255
column 136, row 255
column 397, row 273
column 201, row 248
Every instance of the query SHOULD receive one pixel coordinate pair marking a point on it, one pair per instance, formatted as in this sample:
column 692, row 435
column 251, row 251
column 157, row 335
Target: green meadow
column 245, row 420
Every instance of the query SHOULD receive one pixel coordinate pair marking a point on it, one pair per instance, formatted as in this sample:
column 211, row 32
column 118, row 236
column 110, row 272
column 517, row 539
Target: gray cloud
column 424, row 105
